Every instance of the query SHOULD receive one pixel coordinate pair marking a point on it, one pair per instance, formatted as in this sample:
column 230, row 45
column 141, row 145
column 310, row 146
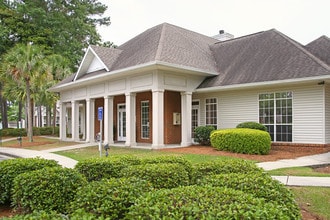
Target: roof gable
column 320, row 48
column 262, row 57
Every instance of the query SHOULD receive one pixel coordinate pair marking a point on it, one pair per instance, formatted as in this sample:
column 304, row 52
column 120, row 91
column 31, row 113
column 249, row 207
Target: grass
column 314, row 199
column 297, row 171
column 93, row 152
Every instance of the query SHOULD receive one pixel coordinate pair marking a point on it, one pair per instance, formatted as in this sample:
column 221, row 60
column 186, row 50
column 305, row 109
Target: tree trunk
column 30, row 115
column 40, row 116
column 3, row 109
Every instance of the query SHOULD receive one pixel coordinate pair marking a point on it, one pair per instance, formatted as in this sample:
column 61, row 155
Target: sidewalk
column 287, row 180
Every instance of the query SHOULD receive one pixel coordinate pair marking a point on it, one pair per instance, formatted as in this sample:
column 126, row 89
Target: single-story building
column 156, row 88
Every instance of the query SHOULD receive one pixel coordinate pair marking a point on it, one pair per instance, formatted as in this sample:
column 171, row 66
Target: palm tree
column 22, row 64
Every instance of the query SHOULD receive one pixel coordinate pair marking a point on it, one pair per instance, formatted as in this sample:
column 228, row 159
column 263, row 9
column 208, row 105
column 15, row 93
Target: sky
column 301, row 20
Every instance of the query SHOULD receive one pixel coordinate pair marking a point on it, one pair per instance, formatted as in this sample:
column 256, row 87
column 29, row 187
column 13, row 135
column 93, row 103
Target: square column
column 130, row 119
column 62, row 121
column 157, row 119
column 75, row 120
column 186, row 118
column 108, row 120
column 89, row 119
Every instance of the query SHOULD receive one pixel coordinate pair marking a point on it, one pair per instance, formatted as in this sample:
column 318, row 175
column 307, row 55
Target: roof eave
column 318, row 79
column 154, row 65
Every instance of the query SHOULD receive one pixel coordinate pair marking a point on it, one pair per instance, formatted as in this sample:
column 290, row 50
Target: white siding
column 327, row 114
column 310, row 122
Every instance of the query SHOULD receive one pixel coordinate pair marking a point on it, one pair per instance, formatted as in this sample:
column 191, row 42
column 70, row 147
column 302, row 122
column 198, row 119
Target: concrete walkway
column 287, row 180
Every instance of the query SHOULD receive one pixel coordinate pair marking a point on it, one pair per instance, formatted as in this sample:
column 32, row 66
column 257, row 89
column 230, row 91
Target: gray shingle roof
column 262, row 57
column 320, row 48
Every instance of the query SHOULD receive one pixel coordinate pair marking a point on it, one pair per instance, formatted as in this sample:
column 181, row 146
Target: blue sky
column 302, row 20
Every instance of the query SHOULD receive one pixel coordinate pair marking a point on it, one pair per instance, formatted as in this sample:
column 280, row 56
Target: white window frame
column 213, row 120
column 145, row 134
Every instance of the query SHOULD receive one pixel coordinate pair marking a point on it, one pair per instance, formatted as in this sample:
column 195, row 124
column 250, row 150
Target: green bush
column 223, row 167
column 242, row 140
column 162, row 175
column 9, row 169
column 38, row 215
column 170, row 159
column 110, row 198
column 95, row 169
column 48, row 189
column 261, row 185
column 202, row 134
column 252, row 125
column 16, row 132
column 203, row 202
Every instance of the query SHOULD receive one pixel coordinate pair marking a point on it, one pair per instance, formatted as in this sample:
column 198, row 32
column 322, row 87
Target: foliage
column 169, row 159
column 110, row 198
column 202, row 134
column 252, row 125
column 242, row 140
column 48, row 189
column 260, row 185
column 62, row 27
column 52, row 215
column 203, row 202
column 15, row 132
column 224, row 167
column 9, row 169
column 162, row 175
column 98, row 168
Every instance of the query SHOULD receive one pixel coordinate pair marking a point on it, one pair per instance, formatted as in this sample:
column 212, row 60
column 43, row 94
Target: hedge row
column 153, row 188
column 241, row 140
column 9, row 169
column 16, row 132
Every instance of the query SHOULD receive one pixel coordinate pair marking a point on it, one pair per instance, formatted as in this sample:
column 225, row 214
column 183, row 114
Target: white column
column 92, row 120
column 75, row 120
column 108, row 119
column 88, row 121
column 130, row 119
column 186, row 118
column 82, row 114
column 62, row 121
column 157, row 119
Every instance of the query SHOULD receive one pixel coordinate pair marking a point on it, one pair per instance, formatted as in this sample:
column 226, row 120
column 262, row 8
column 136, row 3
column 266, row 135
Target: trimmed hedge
column 109, row 198
column 95, row 169
column 9, row 169
column 48, row 189
column 202, row 135
column 170, row 159
column 203, row 202
column 252, row 125
column 242, row 140
column 260, row 185
column 16, row 132
column 223, row 167
column 162, row 175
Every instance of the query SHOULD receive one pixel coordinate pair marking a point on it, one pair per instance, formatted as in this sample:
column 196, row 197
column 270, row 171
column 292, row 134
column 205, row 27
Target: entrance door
column 121, row 122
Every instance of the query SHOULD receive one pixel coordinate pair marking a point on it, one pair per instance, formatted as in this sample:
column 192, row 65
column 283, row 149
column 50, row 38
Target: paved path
column 287, row 180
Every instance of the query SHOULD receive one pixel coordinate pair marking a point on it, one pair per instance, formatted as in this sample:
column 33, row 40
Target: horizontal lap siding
column 327, row 114
column 308, row 114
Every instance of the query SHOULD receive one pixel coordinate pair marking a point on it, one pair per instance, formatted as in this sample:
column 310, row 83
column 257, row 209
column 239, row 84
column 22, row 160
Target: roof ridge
column 160, row 43
column 241, row 37
column 303, row 49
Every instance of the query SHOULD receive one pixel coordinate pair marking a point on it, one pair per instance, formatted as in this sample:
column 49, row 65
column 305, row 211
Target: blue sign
column 100, row 113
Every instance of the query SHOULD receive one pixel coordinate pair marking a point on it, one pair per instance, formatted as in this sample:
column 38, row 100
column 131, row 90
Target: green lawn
column 90, row 152
column 297, row 171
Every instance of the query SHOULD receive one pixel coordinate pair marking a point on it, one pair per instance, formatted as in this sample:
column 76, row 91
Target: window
column 194, row 117
column 211, row 112
column 145, row 120
column 275, row 112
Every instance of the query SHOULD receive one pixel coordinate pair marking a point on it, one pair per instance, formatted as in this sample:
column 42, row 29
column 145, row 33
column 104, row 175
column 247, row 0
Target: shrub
column 109, row 198
column 48, row 189
column 162, row 175
column 16, row 132
column 202, row 134
column 203, row 202
column 13, row 132
column 95, row 169
column 9, row 169
column 170, row 159
column 242, row 140
column 223, row 167
column 252, row 125
column 261, row 185
column 38, row 215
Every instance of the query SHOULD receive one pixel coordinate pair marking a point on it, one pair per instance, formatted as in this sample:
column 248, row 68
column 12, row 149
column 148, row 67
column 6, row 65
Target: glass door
column 121, row 122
